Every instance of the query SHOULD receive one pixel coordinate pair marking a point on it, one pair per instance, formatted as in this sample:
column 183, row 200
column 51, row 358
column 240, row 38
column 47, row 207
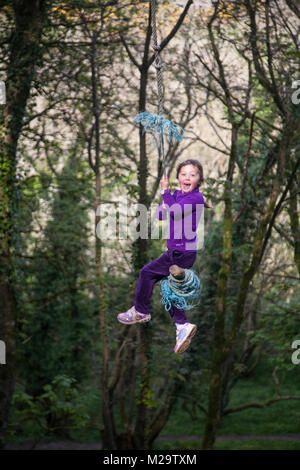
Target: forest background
column 76, row 74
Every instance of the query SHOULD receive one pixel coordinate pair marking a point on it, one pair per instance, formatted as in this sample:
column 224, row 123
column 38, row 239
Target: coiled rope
column 181, row 292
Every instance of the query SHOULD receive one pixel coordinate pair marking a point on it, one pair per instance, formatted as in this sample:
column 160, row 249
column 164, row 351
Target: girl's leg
column 183, row 260
column 177, row 315
column 149, row 275
column 154, row 272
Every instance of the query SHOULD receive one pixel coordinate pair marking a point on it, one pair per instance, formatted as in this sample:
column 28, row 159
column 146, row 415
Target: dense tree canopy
column 76, row 75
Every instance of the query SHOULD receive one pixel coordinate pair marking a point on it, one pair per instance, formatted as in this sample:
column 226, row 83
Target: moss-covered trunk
column 141, row 257
column 141, row 436
column 223, row 345
column 293, row 211
column 25, row 52
column 219, row 356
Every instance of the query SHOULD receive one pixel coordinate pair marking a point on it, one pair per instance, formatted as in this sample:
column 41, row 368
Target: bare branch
column 278, row 207
column 180, row 20
column 261, row 73
column 262, row 404
column 131, row 56
column 293, row 7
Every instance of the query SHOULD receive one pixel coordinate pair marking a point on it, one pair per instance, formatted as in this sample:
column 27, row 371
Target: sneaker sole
column 144, row 320
column 183, row 347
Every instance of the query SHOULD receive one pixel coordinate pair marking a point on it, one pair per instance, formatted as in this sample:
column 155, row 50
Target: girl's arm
column 161, row 211
column 183, row 207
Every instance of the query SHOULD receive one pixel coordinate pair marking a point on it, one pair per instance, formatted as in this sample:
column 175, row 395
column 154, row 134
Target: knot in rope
column 181, row 293
column 155, row 47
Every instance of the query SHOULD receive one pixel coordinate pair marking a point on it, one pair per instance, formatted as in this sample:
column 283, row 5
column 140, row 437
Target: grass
column 277, row 419
column 235, row 444
column 280, row 418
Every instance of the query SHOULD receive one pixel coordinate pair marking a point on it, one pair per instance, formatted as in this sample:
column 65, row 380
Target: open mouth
column 186, row 185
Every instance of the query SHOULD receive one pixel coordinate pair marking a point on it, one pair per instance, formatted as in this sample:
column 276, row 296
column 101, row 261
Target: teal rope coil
column 181, row 293
column 160, row 125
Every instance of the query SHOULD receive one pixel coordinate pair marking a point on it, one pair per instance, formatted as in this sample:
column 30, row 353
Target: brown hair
column 194, row 163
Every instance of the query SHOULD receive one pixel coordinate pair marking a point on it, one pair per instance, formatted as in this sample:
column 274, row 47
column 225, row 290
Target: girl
column 183, row 207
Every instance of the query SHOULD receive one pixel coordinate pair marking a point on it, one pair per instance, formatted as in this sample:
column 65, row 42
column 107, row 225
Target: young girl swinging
column 183, row 207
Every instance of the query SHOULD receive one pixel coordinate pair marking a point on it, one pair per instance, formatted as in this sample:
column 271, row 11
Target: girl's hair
column 194, row 163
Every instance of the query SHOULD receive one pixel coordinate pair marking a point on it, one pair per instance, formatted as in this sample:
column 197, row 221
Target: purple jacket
column 185, row 211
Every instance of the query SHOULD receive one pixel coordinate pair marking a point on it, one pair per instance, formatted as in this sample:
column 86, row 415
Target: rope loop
column 181, row 293
column 158, row 63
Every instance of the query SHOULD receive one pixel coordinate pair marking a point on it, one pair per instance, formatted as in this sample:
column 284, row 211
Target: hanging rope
column 157, row 124
column 157, row 61
column 181, row 293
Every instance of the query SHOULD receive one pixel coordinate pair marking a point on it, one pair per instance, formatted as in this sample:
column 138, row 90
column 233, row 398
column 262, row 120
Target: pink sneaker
column 133, row 316
column 184, row 335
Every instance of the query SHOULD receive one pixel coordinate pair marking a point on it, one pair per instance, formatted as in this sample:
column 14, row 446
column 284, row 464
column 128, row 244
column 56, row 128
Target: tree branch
column 166, row 41
column 130, row 55
column 293, row 7
column 278, row 207
column 262, row 404
column 261, row 73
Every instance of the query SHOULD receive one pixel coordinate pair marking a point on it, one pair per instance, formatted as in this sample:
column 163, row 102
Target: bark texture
column 25, row 53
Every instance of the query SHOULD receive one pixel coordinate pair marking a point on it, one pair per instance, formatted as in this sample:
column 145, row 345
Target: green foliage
column 56, row 312
column 186, row 420
column 278, row 327
column 58, row 333
column 57, row 410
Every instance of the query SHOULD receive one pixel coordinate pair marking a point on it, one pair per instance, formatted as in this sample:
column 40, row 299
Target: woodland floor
column 69, row 445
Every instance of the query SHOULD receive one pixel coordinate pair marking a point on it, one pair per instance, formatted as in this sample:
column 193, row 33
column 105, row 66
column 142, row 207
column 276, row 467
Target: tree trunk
column 25, row 52
column 294, row 215
column 140, row 247
column 108, row 435
column 219, row 357
column 140, row 259
column 223, row 347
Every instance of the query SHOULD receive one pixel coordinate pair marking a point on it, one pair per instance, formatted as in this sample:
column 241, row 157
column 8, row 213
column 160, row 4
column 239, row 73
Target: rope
column 181, row 293
column 157, row 61
column 158, row 125
column 159, row 79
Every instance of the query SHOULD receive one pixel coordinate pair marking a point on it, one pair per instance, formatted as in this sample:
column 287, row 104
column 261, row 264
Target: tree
column 55, row 314
column 143, row 435
column 25, row 53
column 274, row 179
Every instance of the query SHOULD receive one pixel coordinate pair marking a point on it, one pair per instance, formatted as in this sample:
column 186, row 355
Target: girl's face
column 188, row 178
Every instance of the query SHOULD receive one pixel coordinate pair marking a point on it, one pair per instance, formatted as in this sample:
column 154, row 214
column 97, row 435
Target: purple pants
column 154, row 272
